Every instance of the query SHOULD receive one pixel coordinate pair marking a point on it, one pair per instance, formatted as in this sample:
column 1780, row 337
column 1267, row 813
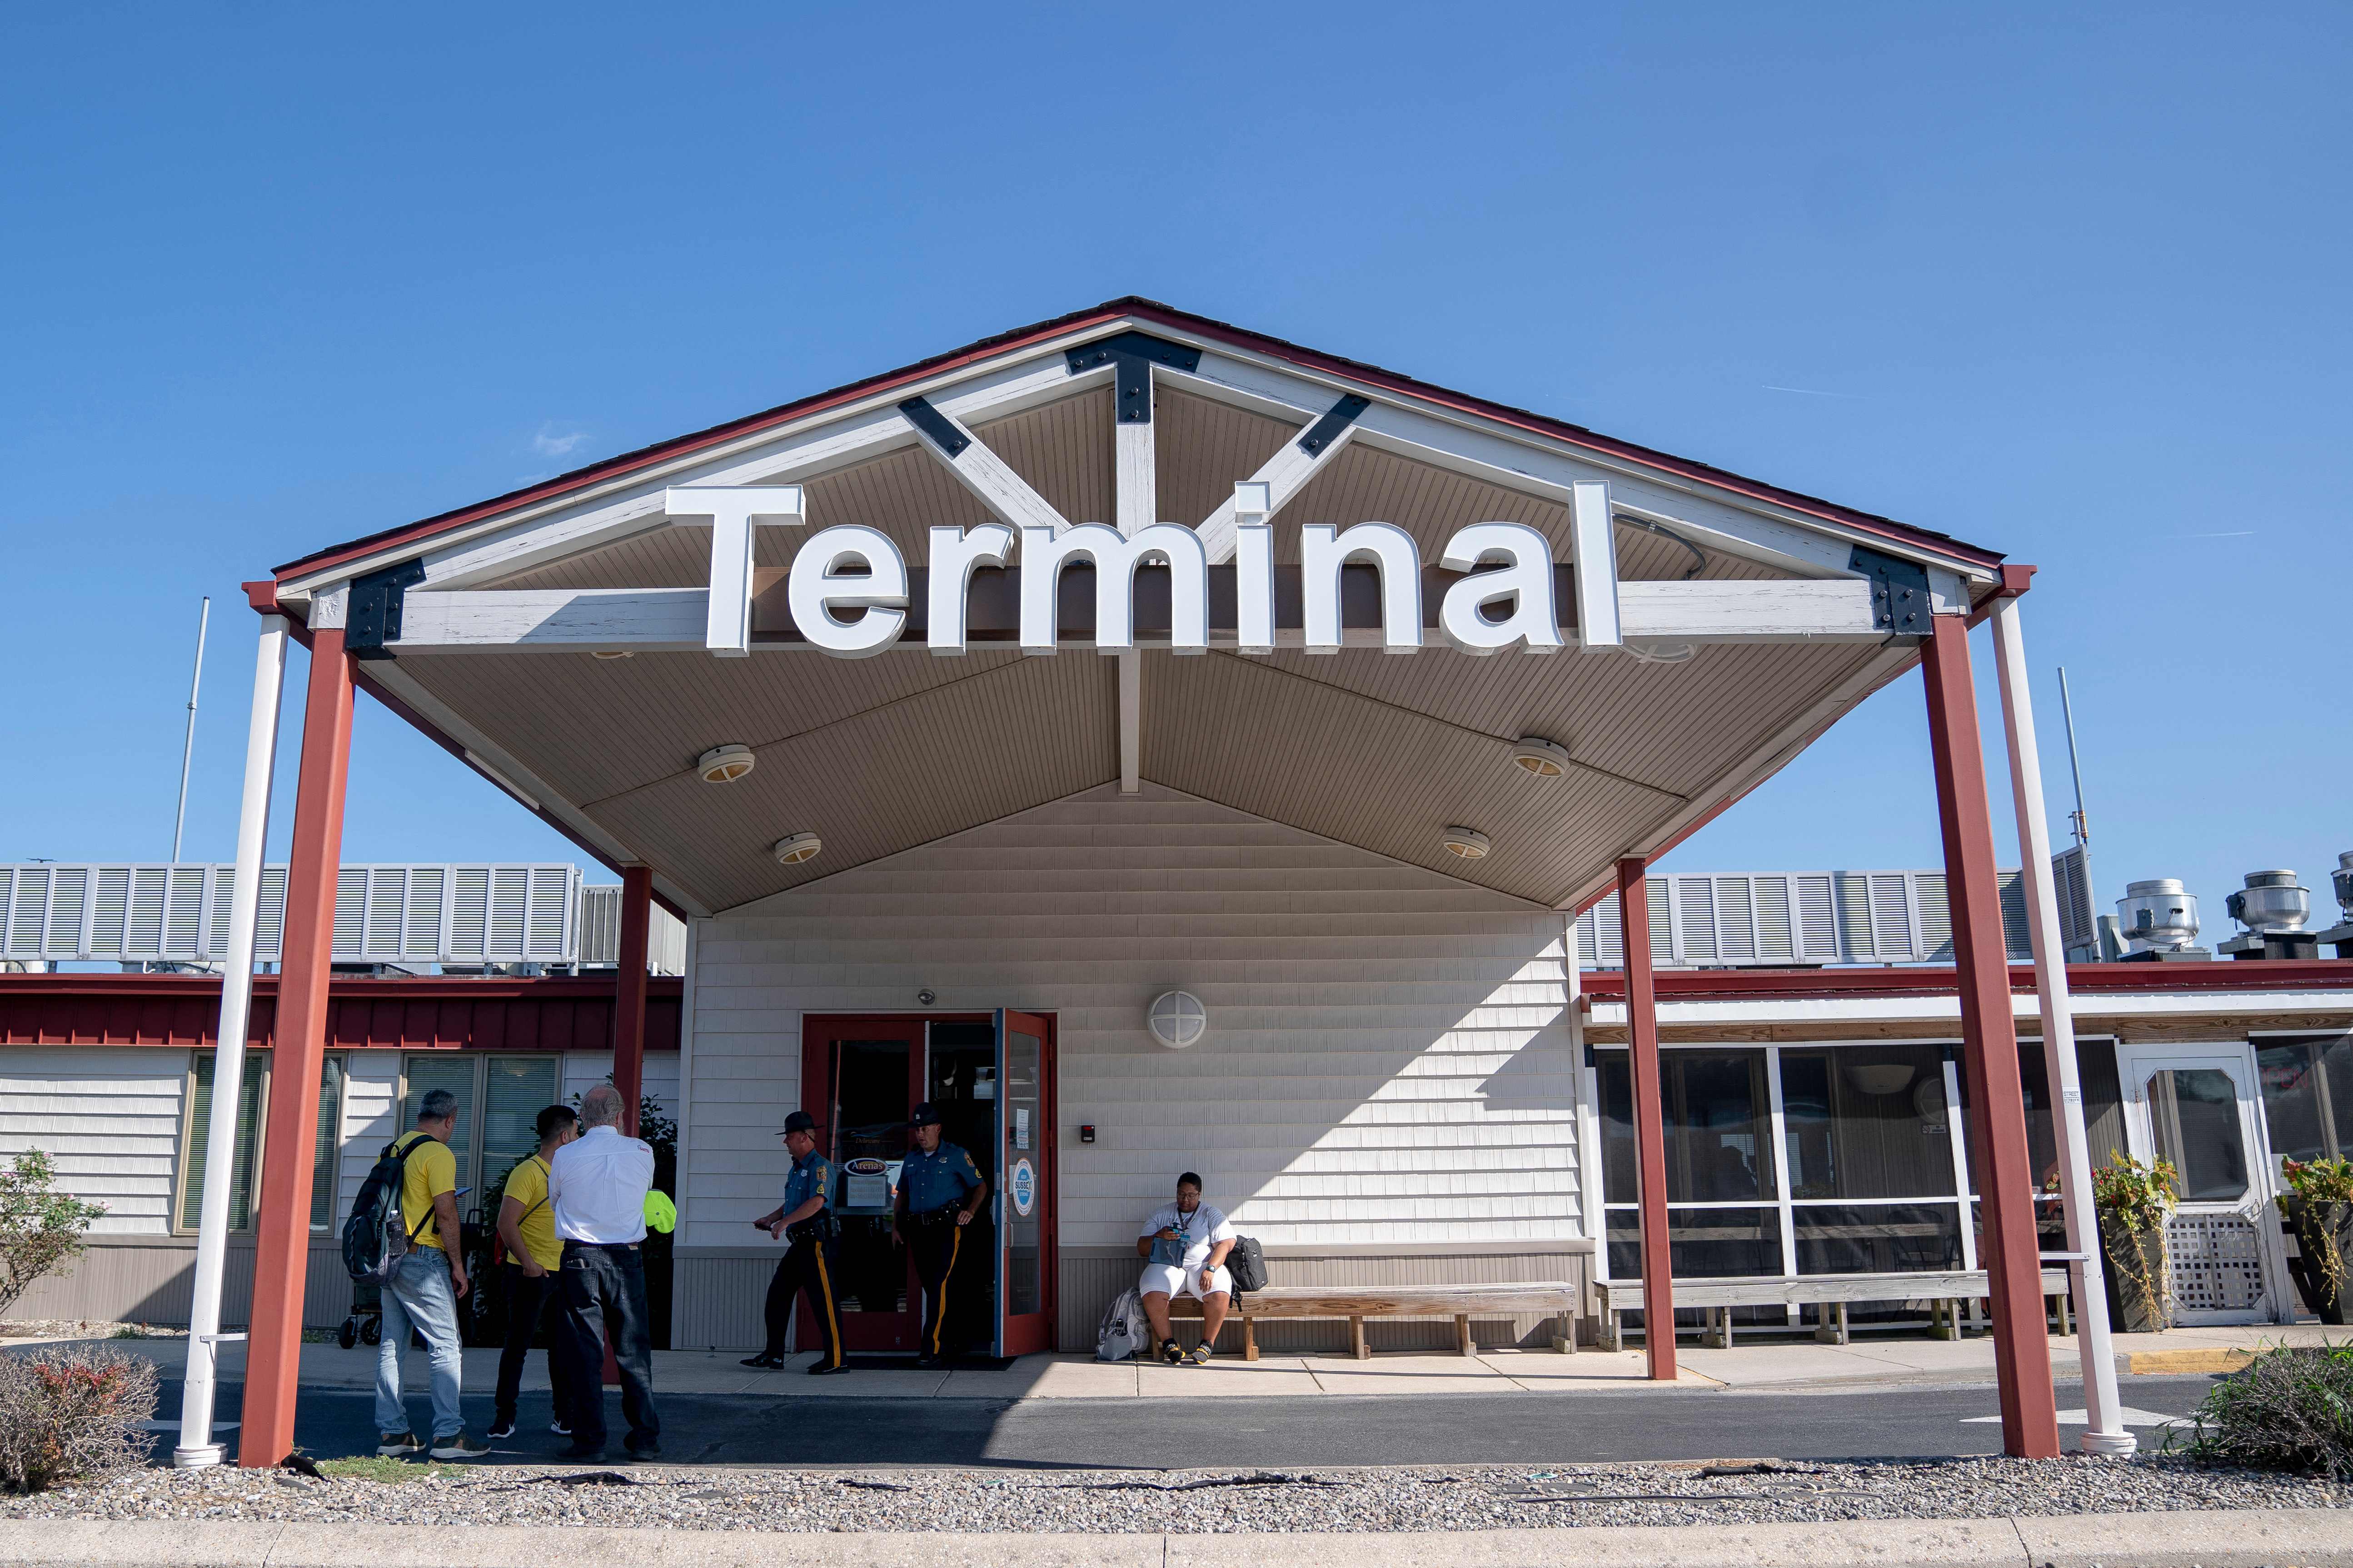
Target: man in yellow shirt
column 527, row 1227
column 425, row 1287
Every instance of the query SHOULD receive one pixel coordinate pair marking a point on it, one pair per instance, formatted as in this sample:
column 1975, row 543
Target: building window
column 252, row 1111
column 499, row 1101
column 2307, row 1095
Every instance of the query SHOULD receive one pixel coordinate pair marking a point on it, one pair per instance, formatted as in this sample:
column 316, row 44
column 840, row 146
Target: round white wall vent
column 1177, row 1019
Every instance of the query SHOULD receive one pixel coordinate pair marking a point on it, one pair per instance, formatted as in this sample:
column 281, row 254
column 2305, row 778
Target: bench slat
column 1626, row 1295
column 1400, row 1300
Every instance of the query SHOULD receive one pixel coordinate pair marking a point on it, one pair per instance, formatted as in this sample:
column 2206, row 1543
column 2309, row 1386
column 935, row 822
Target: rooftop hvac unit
column 2071, row 881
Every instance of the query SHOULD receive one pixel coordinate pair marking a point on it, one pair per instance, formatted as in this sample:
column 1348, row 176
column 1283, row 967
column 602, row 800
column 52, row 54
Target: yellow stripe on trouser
column 940, row 1321
column 832, row 1324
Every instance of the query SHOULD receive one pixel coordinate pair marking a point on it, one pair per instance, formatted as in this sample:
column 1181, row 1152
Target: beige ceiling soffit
column 444, row 719
column 1300, row 458
column 631, row 503
column 991, row 481
column 1761, row 764
column 1533, row 465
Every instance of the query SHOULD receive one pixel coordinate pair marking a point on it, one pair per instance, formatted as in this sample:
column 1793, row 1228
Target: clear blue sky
column 2076, row 289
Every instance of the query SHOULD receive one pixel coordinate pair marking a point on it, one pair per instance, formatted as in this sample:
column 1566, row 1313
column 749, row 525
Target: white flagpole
column 2106, row 1434
column 196, row 1449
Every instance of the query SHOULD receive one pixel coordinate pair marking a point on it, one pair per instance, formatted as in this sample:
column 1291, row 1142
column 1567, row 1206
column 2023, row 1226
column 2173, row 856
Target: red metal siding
column 426, row 1013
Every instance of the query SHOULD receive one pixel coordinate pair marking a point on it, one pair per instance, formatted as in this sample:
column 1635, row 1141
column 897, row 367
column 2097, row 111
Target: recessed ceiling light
column 1545, row 759
column 615, row 653
column 797, row 848
column 726, row 764
column 1467, row 842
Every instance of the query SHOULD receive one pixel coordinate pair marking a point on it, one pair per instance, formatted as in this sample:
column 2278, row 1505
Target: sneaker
column 1170, row 1353
column 502, row 1428
column 1199, row 1355
column 458, row 1445
column 560, row 1427
column 396, row 1445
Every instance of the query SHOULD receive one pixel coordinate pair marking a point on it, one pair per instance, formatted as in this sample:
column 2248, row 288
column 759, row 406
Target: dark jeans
column 529, row 1301
column 938, row 1247
column 604, row 1294
column 804, row 1271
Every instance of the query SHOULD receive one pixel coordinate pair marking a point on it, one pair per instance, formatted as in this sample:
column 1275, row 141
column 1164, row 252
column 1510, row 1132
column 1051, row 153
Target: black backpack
column 376, row 1237
column 1246, row 1261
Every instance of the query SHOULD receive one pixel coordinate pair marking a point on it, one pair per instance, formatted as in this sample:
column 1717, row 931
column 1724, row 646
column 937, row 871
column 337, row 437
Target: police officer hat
column 799, row 1122
column 924, row 1115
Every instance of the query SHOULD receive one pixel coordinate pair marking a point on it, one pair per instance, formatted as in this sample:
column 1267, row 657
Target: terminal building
column 1033, row 730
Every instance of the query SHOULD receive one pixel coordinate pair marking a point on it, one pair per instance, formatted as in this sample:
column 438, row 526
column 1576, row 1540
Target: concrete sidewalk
column 1786, row 1364
column 2178, row 1539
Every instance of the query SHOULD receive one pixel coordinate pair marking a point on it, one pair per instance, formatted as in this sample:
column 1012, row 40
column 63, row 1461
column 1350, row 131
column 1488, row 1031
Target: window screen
column 326, row 1140
column 454, row 1072
column 515, row 1090
column 200, row 1123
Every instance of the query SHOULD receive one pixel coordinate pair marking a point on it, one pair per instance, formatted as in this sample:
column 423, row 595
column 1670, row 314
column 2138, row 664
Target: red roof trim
column 1145, row 310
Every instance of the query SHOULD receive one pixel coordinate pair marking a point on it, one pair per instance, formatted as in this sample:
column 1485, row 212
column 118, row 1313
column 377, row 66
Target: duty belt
column 944, row 1215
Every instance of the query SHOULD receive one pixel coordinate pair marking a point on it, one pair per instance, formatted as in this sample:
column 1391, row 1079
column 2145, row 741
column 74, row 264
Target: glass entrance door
column 860, row 1077
column 1026, row 1202
column 2195, row 1105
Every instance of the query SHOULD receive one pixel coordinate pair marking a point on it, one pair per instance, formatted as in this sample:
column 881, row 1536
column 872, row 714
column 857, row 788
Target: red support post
column 629, row 1011
column 282, row 1220
column 1650, row 1123
column 2008, row 1249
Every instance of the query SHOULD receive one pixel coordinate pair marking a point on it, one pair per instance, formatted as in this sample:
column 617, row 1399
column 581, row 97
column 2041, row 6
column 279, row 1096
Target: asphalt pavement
column 1907, row 1420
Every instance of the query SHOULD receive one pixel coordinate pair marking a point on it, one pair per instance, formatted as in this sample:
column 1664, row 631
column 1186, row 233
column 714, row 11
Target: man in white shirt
column 1183, row 1245
column 597, row 1187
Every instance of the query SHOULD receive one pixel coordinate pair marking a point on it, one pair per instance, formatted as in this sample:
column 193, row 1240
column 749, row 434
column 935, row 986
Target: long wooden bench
column 1944, row 1291
column 1358, row 1302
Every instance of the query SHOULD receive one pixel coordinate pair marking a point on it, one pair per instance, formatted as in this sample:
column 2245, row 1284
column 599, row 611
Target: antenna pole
column 188, row 747
column 2081, row 824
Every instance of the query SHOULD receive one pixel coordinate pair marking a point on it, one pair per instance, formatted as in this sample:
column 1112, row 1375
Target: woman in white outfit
column 1183, row 1245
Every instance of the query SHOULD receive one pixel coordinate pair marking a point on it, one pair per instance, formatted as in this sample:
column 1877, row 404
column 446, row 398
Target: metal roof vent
column 2159, row 915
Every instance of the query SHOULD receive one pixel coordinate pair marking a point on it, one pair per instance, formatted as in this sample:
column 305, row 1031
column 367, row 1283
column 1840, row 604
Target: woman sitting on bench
column 1183, row 1245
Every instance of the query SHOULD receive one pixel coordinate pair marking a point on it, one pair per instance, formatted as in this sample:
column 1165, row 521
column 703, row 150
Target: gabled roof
column 1135, row 308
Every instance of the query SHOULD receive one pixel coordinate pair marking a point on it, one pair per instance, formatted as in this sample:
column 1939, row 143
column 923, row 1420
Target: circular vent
column 1177, row 1019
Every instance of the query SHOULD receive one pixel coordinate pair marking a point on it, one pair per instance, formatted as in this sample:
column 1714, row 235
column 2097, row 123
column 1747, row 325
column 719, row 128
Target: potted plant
column 2319, row 1206
column 2133, row 1200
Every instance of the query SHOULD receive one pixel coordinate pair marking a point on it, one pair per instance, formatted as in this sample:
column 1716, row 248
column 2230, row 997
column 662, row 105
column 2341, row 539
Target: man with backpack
column 423, row 1286
column 530, row 1278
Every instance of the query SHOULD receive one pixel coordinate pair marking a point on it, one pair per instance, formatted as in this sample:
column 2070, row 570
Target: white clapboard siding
column 371, row 1106
column 583, row 1070
column 110, row 1120
column 1387, row 1061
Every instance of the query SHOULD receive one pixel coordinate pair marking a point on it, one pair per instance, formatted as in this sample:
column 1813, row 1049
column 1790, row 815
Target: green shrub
column 70, row 1412
column 40, row 1228
column 2291, row 1408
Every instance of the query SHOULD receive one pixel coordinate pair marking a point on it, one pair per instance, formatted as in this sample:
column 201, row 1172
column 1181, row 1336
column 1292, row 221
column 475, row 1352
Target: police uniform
column 806, row 1269
column 932, row 1191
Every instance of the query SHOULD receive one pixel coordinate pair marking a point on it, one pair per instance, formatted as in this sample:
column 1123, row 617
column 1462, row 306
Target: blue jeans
column 419, row 1292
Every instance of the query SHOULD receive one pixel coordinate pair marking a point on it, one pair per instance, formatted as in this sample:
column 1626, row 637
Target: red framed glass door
column 1025, row 1201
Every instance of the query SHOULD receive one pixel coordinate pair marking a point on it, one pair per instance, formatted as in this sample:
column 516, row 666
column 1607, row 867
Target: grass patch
column 383, row 1468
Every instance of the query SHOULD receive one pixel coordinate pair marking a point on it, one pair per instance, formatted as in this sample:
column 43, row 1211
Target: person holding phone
column 531, row 1277
column 1183, row 1245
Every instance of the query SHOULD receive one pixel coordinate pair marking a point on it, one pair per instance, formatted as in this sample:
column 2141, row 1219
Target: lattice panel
column 2217, row 1263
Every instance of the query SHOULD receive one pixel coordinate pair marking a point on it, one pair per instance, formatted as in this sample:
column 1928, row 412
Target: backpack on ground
column 1246, row 1261
column 1123, row 1330
column 376, row 1237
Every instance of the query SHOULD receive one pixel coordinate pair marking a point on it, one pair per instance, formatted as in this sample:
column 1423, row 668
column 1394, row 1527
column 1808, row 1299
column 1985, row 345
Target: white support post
column 2104, row 1434
column 196, row 1449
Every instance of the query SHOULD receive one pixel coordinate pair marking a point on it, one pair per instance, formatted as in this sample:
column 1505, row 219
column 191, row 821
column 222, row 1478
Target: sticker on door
column 1025, row 1188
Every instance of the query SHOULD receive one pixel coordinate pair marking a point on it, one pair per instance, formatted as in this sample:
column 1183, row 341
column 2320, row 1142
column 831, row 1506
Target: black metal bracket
column 933, row 423
column 1899, row 592
column 1131, row 356
column 372, row 616
column 1338, row 418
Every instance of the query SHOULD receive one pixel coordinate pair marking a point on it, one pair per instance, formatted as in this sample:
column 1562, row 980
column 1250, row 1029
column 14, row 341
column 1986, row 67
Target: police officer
column 805, row 1219
column 940, row 1189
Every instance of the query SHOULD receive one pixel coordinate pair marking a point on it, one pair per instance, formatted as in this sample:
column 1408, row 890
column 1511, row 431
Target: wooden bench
column 1358, row 1302
column 1943, row 1291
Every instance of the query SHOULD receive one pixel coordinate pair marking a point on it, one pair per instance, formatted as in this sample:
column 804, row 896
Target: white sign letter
column 1115, row 559
column 733, row 510
column 1526, row 582
column 954, row 553
column 1320, row 555
column 816, row 586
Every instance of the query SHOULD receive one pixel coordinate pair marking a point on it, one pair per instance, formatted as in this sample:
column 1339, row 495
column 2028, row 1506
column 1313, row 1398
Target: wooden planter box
column 2132, row 1258
column 2324, row 1235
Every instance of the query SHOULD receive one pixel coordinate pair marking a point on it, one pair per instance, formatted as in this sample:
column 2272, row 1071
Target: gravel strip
column 1191, row 1501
